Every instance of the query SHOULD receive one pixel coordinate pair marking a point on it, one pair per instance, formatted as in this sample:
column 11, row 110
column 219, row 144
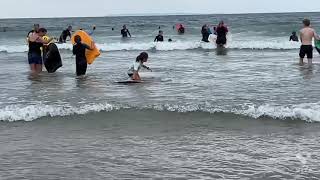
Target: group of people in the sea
column 36, row 42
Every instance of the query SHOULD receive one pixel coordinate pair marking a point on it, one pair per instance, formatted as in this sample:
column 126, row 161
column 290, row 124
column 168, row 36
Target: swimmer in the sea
column 65, row 33
column 294, row 37
column 125, row 32
column 159, row 38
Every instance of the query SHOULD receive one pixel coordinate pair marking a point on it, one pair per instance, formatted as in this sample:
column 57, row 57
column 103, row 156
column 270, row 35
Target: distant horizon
column 158, row 14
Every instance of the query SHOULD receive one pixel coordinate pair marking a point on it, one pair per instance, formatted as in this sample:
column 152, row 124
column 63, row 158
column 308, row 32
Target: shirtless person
column 306, row 35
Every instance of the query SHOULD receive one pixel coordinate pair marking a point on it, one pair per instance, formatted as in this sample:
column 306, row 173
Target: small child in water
column 79, row 49
column 133, row 72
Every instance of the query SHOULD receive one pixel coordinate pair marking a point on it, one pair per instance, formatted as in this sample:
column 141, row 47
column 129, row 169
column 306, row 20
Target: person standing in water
column 133, row 72
column 294, row 37
column 79, row 49
column 65, row 33
column 222, row 32
column 205, row 33
column 125, row 32
column 306, row 36
column 159, row 38
column 181, row 29
column 36, row 42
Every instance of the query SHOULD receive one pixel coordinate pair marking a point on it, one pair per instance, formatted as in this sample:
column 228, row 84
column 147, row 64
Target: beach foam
column 166, row 46
column 309, row 112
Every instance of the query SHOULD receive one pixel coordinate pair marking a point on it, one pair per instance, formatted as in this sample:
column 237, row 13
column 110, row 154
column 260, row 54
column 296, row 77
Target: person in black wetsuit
column 65, row 34
column 294, row 37
column 159, row 38
column 125, row 32
column 222, row 32
column 79, row 49
column 205, row 33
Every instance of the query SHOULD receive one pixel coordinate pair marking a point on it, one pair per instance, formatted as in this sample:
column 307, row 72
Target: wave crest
column 309, row 112
column 170, row 46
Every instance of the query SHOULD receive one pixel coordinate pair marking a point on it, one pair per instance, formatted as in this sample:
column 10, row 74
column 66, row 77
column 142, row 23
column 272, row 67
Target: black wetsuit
column 81, row 61
column 64, row 35
column 205, row 35
column 125, row 32
column 159, row 38
column 221, row 35
column 294, row 38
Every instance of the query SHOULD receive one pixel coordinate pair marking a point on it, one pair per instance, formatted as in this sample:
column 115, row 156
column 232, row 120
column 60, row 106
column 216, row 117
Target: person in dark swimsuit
column 205, row 33
column 34, row 54
column 65, row 33
column 159, row 38
column 181, row 29
column 79, row 49
column 125, row 32
column 294, row 37
column 222, row 32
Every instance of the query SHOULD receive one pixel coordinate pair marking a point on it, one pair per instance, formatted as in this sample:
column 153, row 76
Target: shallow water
column 248, row 111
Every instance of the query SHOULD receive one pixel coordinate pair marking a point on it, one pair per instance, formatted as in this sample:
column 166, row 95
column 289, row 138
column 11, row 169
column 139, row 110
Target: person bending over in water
column 294, row 37
column 306, row 36
column 79, row 49
column 125, row 32
column 222, row 32
column 159, row 38
column 65, row 33
column 36, row 42
column 133, row 72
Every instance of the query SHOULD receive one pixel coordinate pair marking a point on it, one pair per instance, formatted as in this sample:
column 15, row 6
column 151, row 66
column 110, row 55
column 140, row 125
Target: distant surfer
column 125, row 32
column 294, row 37
column 159, row 38
column 222, row 32
column 205, row 33
column 65, row 33
column 36, row 42
column 133, row 72
column 181, row 29
column 79, row 49
column 306, row 36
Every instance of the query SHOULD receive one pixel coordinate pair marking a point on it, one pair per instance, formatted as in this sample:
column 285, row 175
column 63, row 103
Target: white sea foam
column 309, row 112
column 32, row 112
column 170, row 46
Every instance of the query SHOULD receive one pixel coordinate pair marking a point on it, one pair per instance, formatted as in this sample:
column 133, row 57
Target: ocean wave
column 170, row 46
column 309, row 112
